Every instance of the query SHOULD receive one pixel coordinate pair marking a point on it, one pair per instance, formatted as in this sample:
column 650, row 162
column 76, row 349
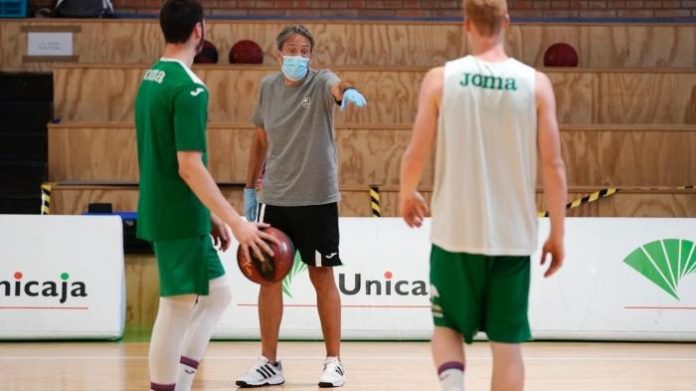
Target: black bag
column 84, row 9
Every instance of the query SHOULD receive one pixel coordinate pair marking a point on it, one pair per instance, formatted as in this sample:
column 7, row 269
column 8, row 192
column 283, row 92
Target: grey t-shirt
column 301, row 161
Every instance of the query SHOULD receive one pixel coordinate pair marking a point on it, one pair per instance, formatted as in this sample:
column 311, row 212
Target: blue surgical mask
column 295, row 67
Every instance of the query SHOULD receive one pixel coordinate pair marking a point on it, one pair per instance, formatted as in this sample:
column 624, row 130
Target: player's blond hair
column 487, row 15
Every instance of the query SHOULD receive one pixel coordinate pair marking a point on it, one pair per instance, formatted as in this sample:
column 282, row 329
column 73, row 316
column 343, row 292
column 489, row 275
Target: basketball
column 560, row 55
column 246, row 52
column 270, row 269
column 208, row 54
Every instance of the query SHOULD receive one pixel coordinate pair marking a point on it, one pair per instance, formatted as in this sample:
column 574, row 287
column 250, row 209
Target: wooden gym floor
column 371, row 366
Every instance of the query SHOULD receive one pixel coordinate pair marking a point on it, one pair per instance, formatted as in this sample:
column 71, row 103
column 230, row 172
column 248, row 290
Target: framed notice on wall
column 50, row 43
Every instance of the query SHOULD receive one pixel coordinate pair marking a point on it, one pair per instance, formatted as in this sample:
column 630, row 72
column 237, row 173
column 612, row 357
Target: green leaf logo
column 297, row 267
column 664, row 262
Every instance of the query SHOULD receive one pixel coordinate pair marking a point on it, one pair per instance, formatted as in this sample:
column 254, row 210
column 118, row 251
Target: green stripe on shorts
column 471, row 293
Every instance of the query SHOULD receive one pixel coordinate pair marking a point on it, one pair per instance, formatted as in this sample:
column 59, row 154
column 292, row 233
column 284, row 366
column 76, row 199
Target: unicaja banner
column 61, row 277
column 383, row 286
column 624, row 279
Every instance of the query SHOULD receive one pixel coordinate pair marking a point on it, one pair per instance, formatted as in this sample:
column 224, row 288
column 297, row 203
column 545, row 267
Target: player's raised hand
column 413, row 209
column 554, row 248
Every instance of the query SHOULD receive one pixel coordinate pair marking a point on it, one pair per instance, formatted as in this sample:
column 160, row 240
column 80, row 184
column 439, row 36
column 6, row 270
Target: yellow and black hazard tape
column 375, row 201
column 608, row 192
column 604, row 193
column 46, row 199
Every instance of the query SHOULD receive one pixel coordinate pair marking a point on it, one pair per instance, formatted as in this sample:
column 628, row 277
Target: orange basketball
column 269, row 270
column 561, row 55
column 246, row 52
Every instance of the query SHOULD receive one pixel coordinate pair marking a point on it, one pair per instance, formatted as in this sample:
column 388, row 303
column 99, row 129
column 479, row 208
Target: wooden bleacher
column 629, row 110
column 358, row 43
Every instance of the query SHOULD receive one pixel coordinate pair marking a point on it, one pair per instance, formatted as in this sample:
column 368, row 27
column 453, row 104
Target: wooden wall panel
column 659, row 158
column 630, row 156
column 72, row 199
column 108, row 94
column 108, row 154
column 229, row 153
column 100, row 94
column 634, row 46
column 374, row 156
column 340, row 43
column 575, row 96
column 142, row 291
column 95, row 94
column 92, row 153
column 392, row 96
column 598, row 156
column 646, row 98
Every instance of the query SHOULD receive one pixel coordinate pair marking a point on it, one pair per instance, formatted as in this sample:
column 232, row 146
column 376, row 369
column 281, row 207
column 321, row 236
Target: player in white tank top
column 486, row 159
column 489, row 117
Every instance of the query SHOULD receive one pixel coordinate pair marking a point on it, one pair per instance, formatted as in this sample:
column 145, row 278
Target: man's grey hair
column 292, row 30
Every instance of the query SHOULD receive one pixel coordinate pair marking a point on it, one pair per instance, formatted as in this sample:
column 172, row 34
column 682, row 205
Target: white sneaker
column 333, row 375
column 263, row 373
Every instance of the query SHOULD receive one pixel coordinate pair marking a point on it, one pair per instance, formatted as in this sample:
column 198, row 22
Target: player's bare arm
column 412, row 205
column 552, row 171
column 197, row 177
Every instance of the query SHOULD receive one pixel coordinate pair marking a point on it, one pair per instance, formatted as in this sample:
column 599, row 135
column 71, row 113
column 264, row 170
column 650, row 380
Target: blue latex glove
column 353, row 96
column 250, row 204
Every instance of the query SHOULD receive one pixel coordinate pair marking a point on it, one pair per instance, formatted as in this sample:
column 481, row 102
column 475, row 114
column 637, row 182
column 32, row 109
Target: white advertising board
column 623, row 279
column 61, row 277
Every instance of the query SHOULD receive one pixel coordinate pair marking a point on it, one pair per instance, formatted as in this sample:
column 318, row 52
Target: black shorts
column 313, row 230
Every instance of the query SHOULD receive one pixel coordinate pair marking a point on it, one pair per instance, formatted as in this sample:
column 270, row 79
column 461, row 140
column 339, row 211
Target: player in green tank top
column 177, row 196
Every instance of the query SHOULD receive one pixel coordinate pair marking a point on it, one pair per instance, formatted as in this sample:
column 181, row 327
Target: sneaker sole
column 329, row 385
column 243, row 384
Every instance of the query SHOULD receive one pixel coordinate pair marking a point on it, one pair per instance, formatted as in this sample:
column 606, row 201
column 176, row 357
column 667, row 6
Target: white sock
column 187, row 372
column 166, row 344
column 451, row 376
column 206, row 314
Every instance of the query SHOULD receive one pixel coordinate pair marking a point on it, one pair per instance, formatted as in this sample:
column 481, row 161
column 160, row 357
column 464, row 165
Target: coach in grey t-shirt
column 294, row 117
column 301, row 162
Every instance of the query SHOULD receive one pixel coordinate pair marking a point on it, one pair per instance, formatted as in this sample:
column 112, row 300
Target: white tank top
column 485, row 169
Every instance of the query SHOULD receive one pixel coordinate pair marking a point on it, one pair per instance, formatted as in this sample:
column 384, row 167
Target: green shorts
column 471, row 293
column 186, row 265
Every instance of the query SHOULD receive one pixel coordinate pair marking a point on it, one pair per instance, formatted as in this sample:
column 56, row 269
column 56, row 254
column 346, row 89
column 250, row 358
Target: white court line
column 378, row 358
